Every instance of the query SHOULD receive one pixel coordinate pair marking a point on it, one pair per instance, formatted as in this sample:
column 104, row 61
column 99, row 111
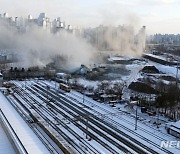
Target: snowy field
column 87, row 125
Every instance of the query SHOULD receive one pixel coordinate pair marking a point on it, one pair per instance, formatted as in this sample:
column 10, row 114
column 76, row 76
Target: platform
column 28, row 138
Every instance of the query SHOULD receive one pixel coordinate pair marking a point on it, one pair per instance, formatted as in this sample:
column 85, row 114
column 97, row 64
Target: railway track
column 70, row 102
column 46, row 119
column 106, row 129
column 92, row 149
column 122, row 126
column 80, row 127
column 33, row 126
column 84, row 142
column 119, row 117
column 109, row 113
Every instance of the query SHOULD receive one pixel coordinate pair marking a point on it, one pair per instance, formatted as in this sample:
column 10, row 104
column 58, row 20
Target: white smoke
column 38, row 47
column 121, row 39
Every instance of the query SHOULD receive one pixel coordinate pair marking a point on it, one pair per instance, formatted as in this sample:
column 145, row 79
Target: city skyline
column 160, row 16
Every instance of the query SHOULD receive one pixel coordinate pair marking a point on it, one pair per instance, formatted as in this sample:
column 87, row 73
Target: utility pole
column 83, row 91
column 158, row 119
column 83, row 94
column 178, row 105
column 86, row 128
column 47, row 92
column 136, row 119
column 177, row 75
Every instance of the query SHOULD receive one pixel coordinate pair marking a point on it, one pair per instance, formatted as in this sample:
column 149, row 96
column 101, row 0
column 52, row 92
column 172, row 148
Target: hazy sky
column 160, row 16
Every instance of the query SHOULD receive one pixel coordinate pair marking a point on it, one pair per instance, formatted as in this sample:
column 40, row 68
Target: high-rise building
column 5, row 15
column 23, row 24
column 30, row 17
column 42, row 20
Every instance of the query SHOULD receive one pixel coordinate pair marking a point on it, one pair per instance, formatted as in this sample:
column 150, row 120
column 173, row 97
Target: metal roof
column 28, row 138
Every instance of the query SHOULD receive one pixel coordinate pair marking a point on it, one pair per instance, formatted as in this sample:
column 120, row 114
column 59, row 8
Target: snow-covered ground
column 126, row 119
column 169, row 70
column 120, row 117
column 64, row 119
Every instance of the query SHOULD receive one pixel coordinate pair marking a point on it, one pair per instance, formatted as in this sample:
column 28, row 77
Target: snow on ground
column 134, row 75
column 120, row 117
column 170, row 70
column 149, row 131
column 135, row 68
column 155, row 56
column 115, row 58
column 23, row 131
column 175, row 124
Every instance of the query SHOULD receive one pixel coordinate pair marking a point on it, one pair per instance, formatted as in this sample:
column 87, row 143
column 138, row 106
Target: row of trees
column 168, row 100
column 110, row 88
column 104, row 87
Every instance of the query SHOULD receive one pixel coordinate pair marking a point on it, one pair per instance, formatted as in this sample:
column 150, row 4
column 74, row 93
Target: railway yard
column 69, row 122
column 90, row 77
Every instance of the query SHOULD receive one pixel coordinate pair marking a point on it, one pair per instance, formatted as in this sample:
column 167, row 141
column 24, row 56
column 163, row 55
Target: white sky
column 160, row 16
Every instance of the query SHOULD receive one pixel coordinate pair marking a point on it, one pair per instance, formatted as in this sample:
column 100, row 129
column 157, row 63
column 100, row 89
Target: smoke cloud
column 38, row 47
column 121, row 39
